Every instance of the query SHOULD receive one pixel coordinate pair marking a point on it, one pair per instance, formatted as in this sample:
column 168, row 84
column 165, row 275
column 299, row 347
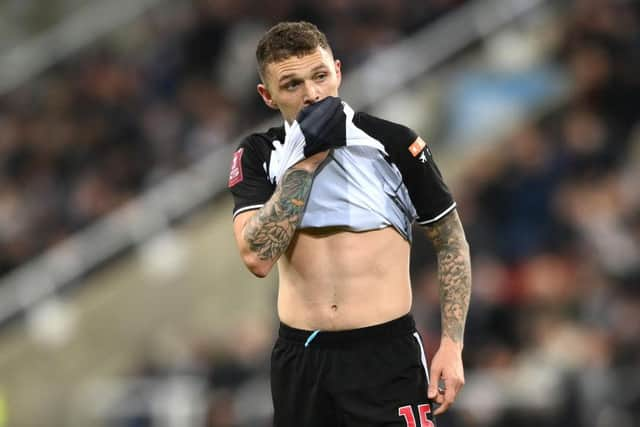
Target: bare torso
column 333, row 279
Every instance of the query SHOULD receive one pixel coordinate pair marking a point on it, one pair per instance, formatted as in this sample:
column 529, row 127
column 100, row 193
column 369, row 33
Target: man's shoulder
column 361, row 116
column 384, row 130
column 261, row 143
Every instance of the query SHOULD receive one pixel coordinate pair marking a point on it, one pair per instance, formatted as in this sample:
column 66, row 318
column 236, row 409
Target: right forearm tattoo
column 271, row 229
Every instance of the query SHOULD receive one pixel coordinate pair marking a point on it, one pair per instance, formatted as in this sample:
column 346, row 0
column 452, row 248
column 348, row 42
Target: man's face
column 296, row 82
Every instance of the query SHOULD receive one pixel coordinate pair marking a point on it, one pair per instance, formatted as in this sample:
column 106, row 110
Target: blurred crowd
column 108, row 122
column 552, row 215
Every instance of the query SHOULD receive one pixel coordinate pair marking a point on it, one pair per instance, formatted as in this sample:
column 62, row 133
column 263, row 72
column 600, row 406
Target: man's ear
column 338, row 71
column 266, row 96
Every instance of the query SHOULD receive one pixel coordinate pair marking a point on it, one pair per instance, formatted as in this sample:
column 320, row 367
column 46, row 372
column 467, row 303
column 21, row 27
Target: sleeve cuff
column 439, row 216
column 246, row 208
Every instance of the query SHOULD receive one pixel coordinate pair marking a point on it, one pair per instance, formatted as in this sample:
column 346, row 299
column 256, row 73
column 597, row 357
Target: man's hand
column 318, row 128
column 446, row 368
column 323, row 125
column 454, row 277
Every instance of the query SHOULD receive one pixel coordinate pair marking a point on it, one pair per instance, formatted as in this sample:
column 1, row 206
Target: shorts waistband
column 398, row 327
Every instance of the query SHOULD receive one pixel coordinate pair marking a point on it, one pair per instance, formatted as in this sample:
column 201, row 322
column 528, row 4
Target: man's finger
column 442, row 408
column 445, row 405
column 433, row 384
column 439, row 399
column 450, row 391
column 455, row 384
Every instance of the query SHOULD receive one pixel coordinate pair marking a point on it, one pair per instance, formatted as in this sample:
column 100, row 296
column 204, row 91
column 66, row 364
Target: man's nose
column 311, row 93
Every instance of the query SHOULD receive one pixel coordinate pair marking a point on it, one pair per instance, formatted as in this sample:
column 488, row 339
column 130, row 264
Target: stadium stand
column 101, row 126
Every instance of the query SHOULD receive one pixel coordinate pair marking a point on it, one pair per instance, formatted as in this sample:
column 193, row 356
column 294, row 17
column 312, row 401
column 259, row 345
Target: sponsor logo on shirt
column 235, row 176
column 417, row 147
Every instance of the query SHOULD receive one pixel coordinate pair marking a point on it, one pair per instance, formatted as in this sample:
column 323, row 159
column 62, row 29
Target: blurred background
column 123, row 302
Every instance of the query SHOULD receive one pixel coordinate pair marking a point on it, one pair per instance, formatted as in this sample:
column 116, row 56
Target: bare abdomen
column 334, row 279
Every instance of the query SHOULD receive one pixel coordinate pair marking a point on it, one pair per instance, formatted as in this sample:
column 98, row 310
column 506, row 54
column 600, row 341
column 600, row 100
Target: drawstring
column 311, row 337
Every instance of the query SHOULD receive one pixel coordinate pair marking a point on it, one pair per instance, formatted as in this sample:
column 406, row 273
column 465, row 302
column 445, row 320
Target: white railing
column 156, row 208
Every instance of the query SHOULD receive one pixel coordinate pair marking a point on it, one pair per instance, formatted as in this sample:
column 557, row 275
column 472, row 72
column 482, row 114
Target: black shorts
column 373, row 376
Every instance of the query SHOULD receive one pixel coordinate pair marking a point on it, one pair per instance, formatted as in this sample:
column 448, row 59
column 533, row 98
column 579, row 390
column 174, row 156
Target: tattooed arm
column 264, row 234
column 454, row 276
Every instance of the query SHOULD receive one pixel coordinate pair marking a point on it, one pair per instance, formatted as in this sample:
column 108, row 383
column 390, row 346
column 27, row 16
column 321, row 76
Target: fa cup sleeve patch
column 235, row 176
column 417, row 147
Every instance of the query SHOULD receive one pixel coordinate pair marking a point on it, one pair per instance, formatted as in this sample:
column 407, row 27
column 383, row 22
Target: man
column 330, row 197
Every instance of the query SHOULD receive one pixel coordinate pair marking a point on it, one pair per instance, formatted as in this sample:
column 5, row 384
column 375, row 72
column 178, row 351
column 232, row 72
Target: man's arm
column 454, row 277
column 263, row 235
column 454, row 274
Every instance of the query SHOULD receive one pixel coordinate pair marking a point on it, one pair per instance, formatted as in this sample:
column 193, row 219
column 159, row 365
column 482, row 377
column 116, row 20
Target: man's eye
column 321, row 76
column 291, row 85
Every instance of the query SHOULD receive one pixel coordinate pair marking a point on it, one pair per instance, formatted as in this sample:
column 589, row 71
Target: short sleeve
column 248, row 179
column 411, row 155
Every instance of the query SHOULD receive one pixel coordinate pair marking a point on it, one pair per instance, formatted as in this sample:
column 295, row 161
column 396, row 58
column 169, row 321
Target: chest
column 359, row 189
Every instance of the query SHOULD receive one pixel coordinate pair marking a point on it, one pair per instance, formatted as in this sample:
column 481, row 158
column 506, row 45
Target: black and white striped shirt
column 391, row 180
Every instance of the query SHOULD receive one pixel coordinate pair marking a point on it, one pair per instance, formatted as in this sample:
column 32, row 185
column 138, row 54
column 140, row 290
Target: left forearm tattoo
column 454, row 273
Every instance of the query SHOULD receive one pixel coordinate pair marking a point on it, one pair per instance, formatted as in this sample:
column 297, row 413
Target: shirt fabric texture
column 379, row 178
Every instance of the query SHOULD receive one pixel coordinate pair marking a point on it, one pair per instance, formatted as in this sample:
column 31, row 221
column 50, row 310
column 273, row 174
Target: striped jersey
column 392, row 180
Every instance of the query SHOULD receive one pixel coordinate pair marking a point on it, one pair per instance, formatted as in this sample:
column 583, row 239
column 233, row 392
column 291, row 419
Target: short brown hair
column 287, row 39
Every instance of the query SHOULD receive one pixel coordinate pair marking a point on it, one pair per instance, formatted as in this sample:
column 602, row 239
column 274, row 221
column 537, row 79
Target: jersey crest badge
column 235, row 176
